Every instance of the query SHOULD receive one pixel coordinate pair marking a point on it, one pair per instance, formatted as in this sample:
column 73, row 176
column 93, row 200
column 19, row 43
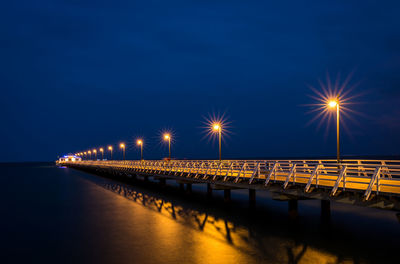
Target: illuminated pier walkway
column 373, row 183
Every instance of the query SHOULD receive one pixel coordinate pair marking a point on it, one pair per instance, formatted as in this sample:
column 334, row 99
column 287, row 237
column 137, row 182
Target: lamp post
column 140, row 143
column 85, row 154
column 102, row 153
column 110, row 148
column 90, row 154
column 336, row 104
column 122, row 146
column 95, row 154
column 218, row 129
column 168, row 138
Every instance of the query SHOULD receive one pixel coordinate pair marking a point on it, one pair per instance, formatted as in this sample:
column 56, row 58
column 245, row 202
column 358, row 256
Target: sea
column 61, row 215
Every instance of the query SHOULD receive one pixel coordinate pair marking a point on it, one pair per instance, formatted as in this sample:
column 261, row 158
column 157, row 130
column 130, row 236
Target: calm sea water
column 56, row 215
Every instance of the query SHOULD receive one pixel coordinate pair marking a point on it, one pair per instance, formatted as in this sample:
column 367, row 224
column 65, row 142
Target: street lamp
column 110, row 148
column 216, row 127
column 168, row 138
column 140, row 143
column 85, row 154
column 102, row 153
column 90, row 154
column 122, row 146
column 95, row 153
column 335, row 104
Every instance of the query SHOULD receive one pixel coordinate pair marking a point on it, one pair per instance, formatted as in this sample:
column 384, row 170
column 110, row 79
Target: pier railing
column 369, row 176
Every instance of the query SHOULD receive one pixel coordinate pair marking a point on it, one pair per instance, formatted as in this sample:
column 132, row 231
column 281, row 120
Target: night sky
column 82, row 74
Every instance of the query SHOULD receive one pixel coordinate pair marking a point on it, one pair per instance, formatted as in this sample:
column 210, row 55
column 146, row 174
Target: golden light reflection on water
column 219, row 240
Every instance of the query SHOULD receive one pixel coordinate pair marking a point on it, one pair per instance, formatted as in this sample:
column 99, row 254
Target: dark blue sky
column 82, row 74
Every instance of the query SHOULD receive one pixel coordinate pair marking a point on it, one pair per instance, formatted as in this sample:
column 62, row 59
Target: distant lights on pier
column 122, row 146
column 335, row 104
column 139, row 142
column 102, row 153
column 167, row 137
column 329, row 102
column 110, row 148
column 332, row 100
column 216, row 126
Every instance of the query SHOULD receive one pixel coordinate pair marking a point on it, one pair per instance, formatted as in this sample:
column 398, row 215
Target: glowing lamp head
column 84, row 153
column 122, row 145
column 332, row 103
column 109, row 148
column 101, row 149
column 167, row 136
column 94, row 151
column 216, row 127
column 139, row 142
column 89, row 152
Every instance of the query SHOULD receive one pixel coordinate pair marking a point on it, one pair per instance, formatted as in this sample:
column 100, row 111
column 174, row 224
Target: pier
column 371, row 183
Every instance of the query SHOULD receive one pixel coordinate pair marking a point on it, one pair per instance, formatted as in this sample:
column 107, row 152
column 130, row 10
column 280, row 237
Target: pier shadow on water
column 263, row 234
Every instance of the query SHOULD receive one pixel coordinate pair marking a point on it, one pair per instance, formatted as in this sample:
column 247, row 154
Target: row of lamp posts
column 216, row 128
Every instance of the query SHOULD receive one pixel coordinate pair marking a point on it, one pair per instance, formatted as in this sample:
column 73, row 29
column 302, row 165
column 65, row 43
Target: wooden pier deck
column 374, row 183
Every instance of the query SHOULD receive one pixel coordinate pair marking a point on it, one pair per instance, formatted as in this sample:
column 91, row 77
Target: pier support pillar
column 252, row 197
column 188, row 188
column 227, row 195
column 209, row 190
column 293, row 213
column 325, row 210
